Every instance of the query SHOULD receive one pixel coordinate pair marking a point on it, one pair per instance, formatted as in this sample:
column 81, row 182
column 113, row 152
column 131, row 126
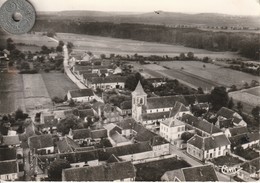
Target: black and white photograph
column 130, row 90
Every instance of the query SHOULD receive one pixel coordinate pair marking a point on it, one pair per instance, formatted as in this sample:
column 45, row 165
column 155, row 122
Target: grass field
column 153, row 171
column 58, row 84
column 35, row 92
column 254, row 91
column 211, row 72
column 106, row 45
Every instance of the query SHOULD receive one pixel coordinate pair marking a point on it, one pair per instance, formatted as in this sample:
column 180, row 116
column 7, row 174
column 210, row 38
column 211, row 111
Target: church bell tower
column 139, row 99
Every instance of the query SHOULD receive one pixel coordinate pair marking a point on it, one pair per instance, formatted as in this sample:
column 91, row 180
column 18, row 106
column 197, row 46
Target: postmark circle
column 26, row 20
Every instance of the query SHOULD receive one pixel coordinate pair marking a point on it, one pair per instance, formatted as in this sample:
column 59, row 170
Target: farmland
column 211, row 72
column 58, row 84
column 35, row 92
column 106, row 45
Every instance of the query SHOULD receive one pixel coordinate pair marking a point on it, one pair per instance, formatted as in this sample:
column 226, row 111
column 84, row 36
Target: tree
column 254, row 83
column 239, row 106
column 71, row 122
column 59, row 48
column 190, row 55
column 186, row 136
column 56, row 167
column 20, row 115
column 182, row 56
column 230, row 103
column 246, row 85
column 61, row 43
column 200, row 90
column 256, row 113
column 219, row 98
column 45, row 50
column 233, row 88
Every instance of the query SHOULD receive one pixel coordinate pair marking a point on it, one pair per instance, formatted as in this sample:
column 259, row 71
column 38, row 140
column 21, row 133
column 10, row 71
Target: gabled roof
column 7, row 154
column 238, row 130
column 85, row 113
column 8, row 167
column 128, row 123
column 200, row 124
column 200, row 98
column 81, row 93
column 165, row 102
column 90, row 148
column 178, row 107
column 117, row 137
column 40, row 141
column 108, row 172
column 113, row 159
column 207, row 143
column 66, row 145
column 11, row 140
column 126, row 105
column 96, row 134
column 200, row 174
column 225, row 112
column 172, row 122
column 251, row 166
column 139, row 90
column 244, row 138
column 89, row 75
column 81, row 134
column 227, row 123
column 155, row 116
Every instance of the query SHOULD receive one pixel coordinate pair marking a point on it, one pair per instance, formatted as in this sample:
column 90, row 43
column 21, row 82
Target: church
column 153, row 110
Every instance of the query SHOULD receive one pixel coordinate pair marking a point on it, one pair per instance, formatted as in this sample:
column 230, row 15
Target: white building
column 41, row 144
column 81, row 95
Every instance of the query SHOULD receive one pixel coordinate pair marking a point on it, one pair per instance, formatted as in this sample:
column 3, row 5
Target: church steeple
column 139, row 90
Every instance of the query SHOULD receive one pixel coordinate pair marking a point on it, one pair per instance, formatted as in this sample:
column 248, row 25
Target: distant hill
column 162, row 18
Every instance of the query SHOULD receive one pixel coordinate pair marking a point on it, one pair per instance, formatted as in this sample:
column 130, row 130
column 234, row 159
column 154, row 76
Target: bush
column 57, row 100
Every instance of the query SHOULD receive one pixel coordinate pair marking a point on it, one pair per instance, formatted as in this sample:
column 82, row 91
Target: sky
column 233, row 7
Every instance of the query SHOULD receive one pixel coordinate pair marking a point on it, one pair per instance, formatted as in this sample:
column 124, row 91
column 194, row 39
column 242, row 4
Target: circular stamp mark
column 11, row 22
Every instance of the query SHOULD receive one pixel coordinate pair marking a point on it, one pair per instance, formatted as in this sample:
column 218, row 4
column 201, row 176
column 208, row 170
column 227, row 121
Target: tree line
column 245, row 44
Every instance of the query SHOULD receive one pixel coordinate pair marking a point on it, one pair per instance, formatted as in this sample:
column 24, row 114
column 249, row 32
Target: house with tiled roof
column 10, row 141
column 81, row 95
column 250, row 170
column 119, row 171
column 86, row 76
column 84, row 114
column 41, row 144
column 110, row 113
column 245, row 140
column 108, row 82
column 204, row 148
column 151, row 111
column 66, row 145
column 80, row 135
column 200, row 126
column 48, row 123
column 9, row 170
column 125, row 108
column 205, row 173
column 237, row 130
column 229, row 116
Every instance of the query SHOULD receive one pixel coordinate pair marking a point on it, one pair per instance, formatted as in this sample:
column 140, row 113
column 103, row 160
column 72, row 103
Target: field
column 253, row 91
column 11, row 92
column 36, row 95
column 153, row 171
column 106, row 45
column 58, row 84
column 211, row 72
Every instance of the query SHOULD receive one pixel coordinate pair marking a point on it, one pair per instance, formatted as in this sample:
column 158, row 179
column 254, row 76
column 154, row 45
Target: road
column 194, row 162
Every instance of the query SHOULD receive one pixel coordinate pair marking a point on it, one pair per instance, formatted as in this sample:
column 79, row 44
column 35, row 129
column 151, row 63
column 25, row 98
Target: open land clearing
column 36, row 95
column 58, row 84
column 11, row 92
column 105, row 45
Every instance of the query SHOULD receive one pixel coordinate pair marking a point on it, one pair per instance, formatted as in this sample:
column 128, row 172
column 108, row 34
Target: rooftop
column 178, row 107
column 244, row 138
column 252, row 165
column 155, row 116
column 7, row 154
column 66, row 145
column 108, row 172
column 139, row 90
column 207, row 143
column 165, row 102
column 40, row 141
column 11, row 140
column 225, row 112
column 109, row 79
column 238, row 130
column 81, row 134
column 81, row 93
column 8, row 167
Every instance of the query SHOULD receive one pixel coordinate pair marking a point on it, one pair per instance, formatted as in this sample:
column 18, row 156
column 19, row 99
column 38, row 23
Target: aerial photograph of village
column 130, row 90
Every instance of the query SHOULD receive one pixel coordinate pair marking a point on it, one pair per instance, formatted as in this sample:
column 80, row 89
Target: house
column 200, row 126
column 152, row 110
column 66, row 145
column 204, row 148
column 9, row 170
column 125, row 108
column 110, row 113
column 225, row 114
column 106, row 82
column 48, row 123
column 86, row 114
column 250, row 170
column 81, row 95
column 118, row 70
column 92, row 68
column 115, row 135
column 160, row 146
column 10, row 141
column 204, row 173
column 245, row 140
column 41, row 144
column 103, row 73
column 156, row 82
column 230, row 132
column 98, row 134
column 119, row 171
column 86, row 76
column 172, row 128
column 80, row 135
